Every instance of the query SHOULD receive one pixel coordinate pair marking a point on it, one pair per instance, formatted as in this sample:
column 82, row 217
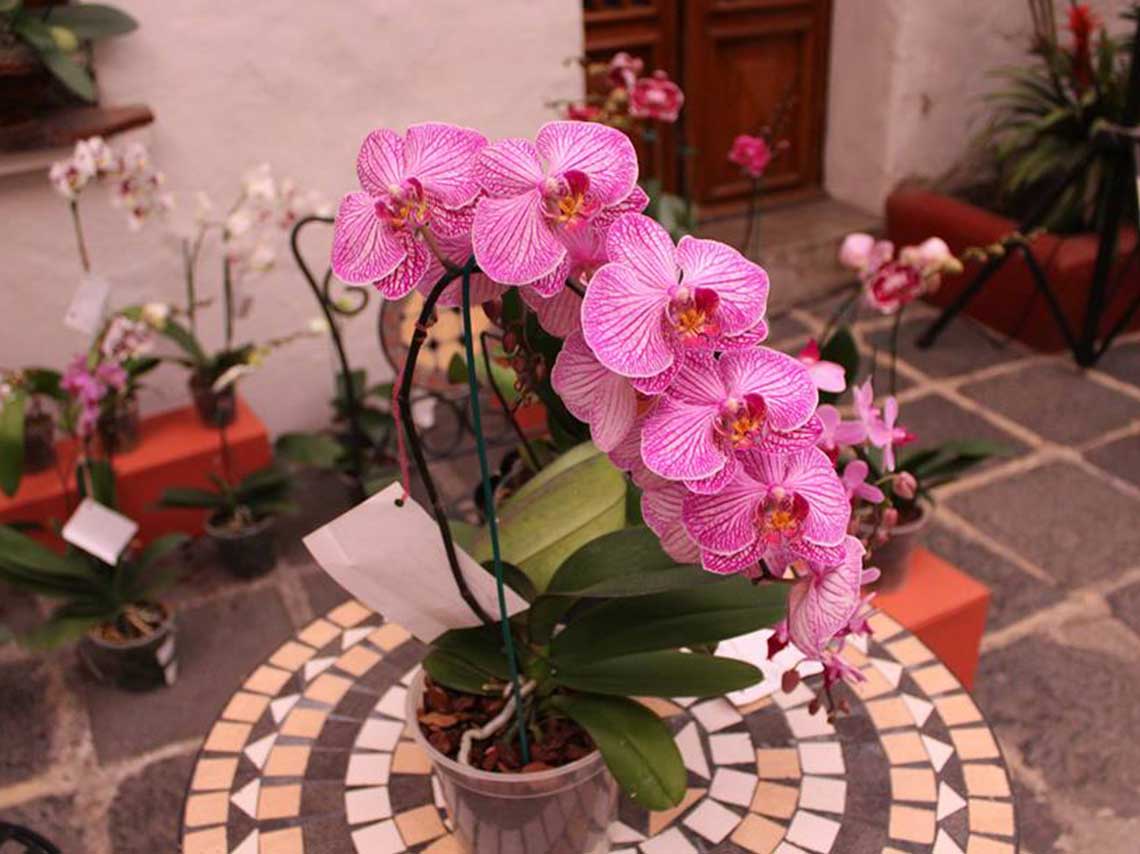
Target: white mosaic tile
column 716, row 714
column 949, row 801
column 813, row 832
column 891, row 670
column 410, row 676
column 249, row 845
column 919, row 708
column 367, row 769
column 620, row 833
column 787, row 848
column 859, row 642
column 943, row 844
column 939, row 751
column 314, row 667
column 382, row 838
column 672, row 841
column 805, row 725
column 712, row 821
column 258, row 751
column 245, row 798
column 825, row 794
column 733, row 787
column 281, row 707
column 821, row 757
column 379, row 735
column 371, row 804
column 692, row 752
column 800, row 695
column 352, row 637
column 393, row 702
column 732, row 748
column 437, row 793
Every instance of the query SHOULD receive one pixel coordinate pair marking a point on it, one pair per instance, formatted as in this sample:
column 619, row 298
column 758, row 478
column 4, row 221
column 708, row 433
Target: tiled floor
column 1052, row 529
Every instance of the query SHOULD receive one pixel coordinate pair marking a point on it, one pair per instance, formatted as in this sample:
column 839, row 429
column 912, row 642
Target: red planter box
column 176, row 450
column 914, row 215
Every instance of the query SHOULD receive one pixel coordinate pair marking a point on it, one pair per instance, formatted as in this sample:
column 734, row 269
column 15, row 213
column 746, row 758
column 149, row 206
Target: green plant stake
column 489, row 503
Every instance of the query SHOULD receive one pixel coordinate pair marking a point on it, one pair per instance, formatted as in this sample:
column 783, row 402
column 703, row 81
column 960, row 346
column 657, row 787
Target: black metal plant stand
column 1118, row 148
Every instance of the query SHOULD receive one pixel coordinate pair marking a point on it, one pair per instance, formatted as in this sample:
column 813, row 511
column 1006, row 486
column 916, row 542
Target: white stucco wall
column 906, row 82
column 295, row 84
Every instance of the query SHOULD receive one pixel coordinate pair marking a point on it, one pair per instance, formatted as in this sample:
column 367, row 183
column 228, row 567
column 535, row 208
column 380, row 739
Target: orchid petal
column 408, row 273
column 785, row 384
column 553, row 282
column 726, row 564
column 828, row 376
column 636, row 202
column 646, row 248
column 363, row 247
column 442, row 158
column 509, row 167
column 621, row 320
column 559, row 315
column 741, row 285
column 679, row 441
column 803, row 436
column 513, row 242
column 699, row 381
column 605, row 154
column 717, row 482
column 725, row 522
column 380, row 163
column 593, row 394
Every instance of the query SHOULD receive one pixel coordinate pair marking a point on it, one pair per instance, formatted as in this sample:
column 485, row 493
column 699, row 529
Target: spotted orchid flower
column 414, row 188
column 715, row 409
column 654, row 302
column 791, row 507
column 594, row 394
column 574, row 175
column 855, row 482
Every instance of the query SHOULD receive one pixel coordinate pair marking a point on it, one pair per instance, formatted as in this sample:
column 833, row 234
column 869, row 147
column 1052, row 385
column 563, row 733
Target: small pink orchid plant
column 662, row 358
column 628, row 99
column 890, row 283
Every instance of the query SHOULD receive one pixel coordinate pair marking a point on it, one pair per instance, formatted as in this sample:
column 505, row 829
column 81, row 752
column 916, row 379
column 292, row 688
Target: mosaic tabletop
column 312, row 756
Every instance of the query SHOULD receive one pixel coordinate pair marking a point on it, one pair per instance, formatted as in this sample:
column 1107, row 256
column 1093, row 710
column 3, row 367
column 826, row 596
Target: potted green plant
column 27, row 428
column 242, row 516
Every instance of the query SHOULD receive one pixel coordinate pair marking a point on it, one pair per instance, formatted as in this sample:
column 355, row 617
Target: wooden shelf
column 35, row 143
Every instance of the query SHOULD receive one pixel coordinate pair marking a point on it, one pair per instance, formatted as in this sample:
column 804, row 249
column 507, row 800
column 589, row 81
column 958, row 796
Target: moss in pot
column 242, row 516
column 124, row 631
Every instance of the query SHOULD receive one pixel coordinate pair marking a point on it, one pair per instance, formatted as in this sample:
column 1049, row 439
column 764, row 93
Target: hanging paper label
column 392, row 559
column 753, row 648
column 99, row 530
column 89, row 305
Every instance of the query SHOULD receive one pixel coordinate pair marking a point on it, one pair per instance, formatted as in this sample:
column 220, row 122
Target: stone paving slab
column 27, row 720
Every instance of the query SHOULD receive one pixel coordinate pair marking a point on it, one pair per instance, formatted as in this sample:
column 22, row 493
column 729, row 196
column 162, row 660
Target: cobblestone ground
column 1053, row 529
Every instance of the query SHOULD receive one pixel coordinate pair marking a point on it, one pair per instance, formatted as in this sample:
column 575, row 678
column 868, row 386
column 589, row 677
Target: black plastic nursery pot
column 565, row 809
column 39, row 442
column 248, row 551
column 142, row 664
column 214, row 408
column 119, row 427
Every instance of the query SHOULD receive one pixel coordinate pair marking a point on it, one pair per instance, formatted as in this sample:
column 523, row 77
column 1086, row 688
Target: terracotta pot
column 139, row 665
column 39, row 442
column 565, row 810
column 215, row 408
column 893, row 557
column 245, row 552
column 119, row 428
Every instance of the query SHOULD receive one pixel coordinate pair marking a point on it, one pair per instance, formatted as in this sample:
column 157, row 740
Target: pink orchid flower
column 654, row 302
column 863, row 254
column 457, row 250
column 716, row 409
column 822, row 605
column 863, row 400
column 626, row 454
column 750, row 153
column 662, row 503
column 827, row 376
column 788, row 506
column 657, row 98
column 413, row 186
column 594, row 394
column 892, row 286
column 836, row 433
column 855, row 482
column 883, row 433
column 575, row 174
column 624, row 69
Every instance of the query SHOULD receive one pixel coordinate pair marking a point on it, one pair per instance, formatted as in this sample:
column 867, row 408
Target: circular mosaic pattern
column 312, row 755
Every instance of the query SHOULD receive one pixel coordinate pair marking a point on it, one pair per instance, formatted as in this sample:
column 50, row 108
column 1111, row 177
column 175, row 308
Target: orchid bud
column 890, row 518
column 64, row 39
column 790, row 680
column 539, row 370
column 906, row 486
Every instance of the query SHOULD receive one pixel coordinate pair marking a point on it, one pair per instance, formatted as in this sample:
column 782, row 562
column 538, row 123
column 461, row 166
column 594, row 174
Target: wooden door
column 738, row 62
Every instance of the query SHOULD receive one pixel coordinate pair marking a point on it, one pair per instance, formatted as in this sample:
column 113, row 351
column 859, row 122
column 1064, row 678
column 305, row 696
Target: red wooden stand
column 945, row 608
column 176, row 449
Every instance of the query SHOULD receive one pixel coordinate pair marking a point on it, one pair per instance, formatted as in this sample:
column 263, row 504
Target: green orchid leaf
column 309, row 449
column 657, row 674
column 453, row 672
column 12, row 411
column 513, row 577
column 91, row 20
column 190, row 497
column 481, row 647
column 23, row 554
column 636, row 745
column 70, row 73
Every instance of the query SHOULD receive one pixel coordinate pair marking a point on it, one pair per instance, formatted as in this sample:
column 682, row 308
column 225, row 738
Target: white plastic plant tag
column 89, row 305
column 753, row 648
column 392, row 559
column 99, row 530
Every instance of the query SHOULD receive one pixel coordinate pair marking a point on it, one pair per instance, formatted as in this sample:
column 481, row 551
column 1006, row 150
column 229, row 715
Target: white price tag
column 99, row 530
column 392, row 559
column 88, row 306
column 753, row 648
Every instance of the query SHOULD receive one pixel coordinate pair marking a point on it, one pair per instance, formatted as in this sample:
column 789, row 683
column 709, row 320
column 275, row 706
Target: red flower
column 1082, row 23
column 657, row 98
column 751, row 153
column 583, row 112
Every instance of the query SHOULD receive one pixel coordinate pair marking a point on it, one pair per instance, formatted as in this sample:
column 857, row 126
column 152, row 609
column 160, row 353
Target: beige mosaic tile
column 758, row 834
column 890, row 713
column 410, row 759
column 227, row 737
column 754, row 706
column 875, row 685
column 910, row 650
column 212, row 841
column 883, row 627
column 305, row 723
column 349, row 614
column 854, row 657
column 986, row 780
column 211, row 774
column 207, row 808
column 279, row 801
column 957, row 709
column 912, row 824
column 913, row 784
column 287, row 841
column 318, row 633
column 904, row 748
column 975, row 743
column 994, row 817
column 445, row 845
column 267, row 680
column 291, row 655
column 328, row 688
column 777, row 763
column 660, row 706
column 935, row 680
column 244, row 706
column 419, row 825
column 981, row 845
column 358, row 660
column 775, row 800
column 658, row 821
column 389, row 636
column 287, row 760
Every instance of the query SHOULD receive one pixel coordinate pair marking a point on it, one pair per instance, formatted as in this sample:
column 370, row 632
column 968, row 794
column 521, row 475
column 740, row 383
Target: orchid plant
column 655, row 353
column 22, row 396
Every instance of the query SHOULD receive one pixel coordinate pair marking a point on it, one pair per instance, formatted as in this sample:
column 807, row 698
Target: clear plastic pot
column 566, row 810
column 215, row 408
column 894, row 556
